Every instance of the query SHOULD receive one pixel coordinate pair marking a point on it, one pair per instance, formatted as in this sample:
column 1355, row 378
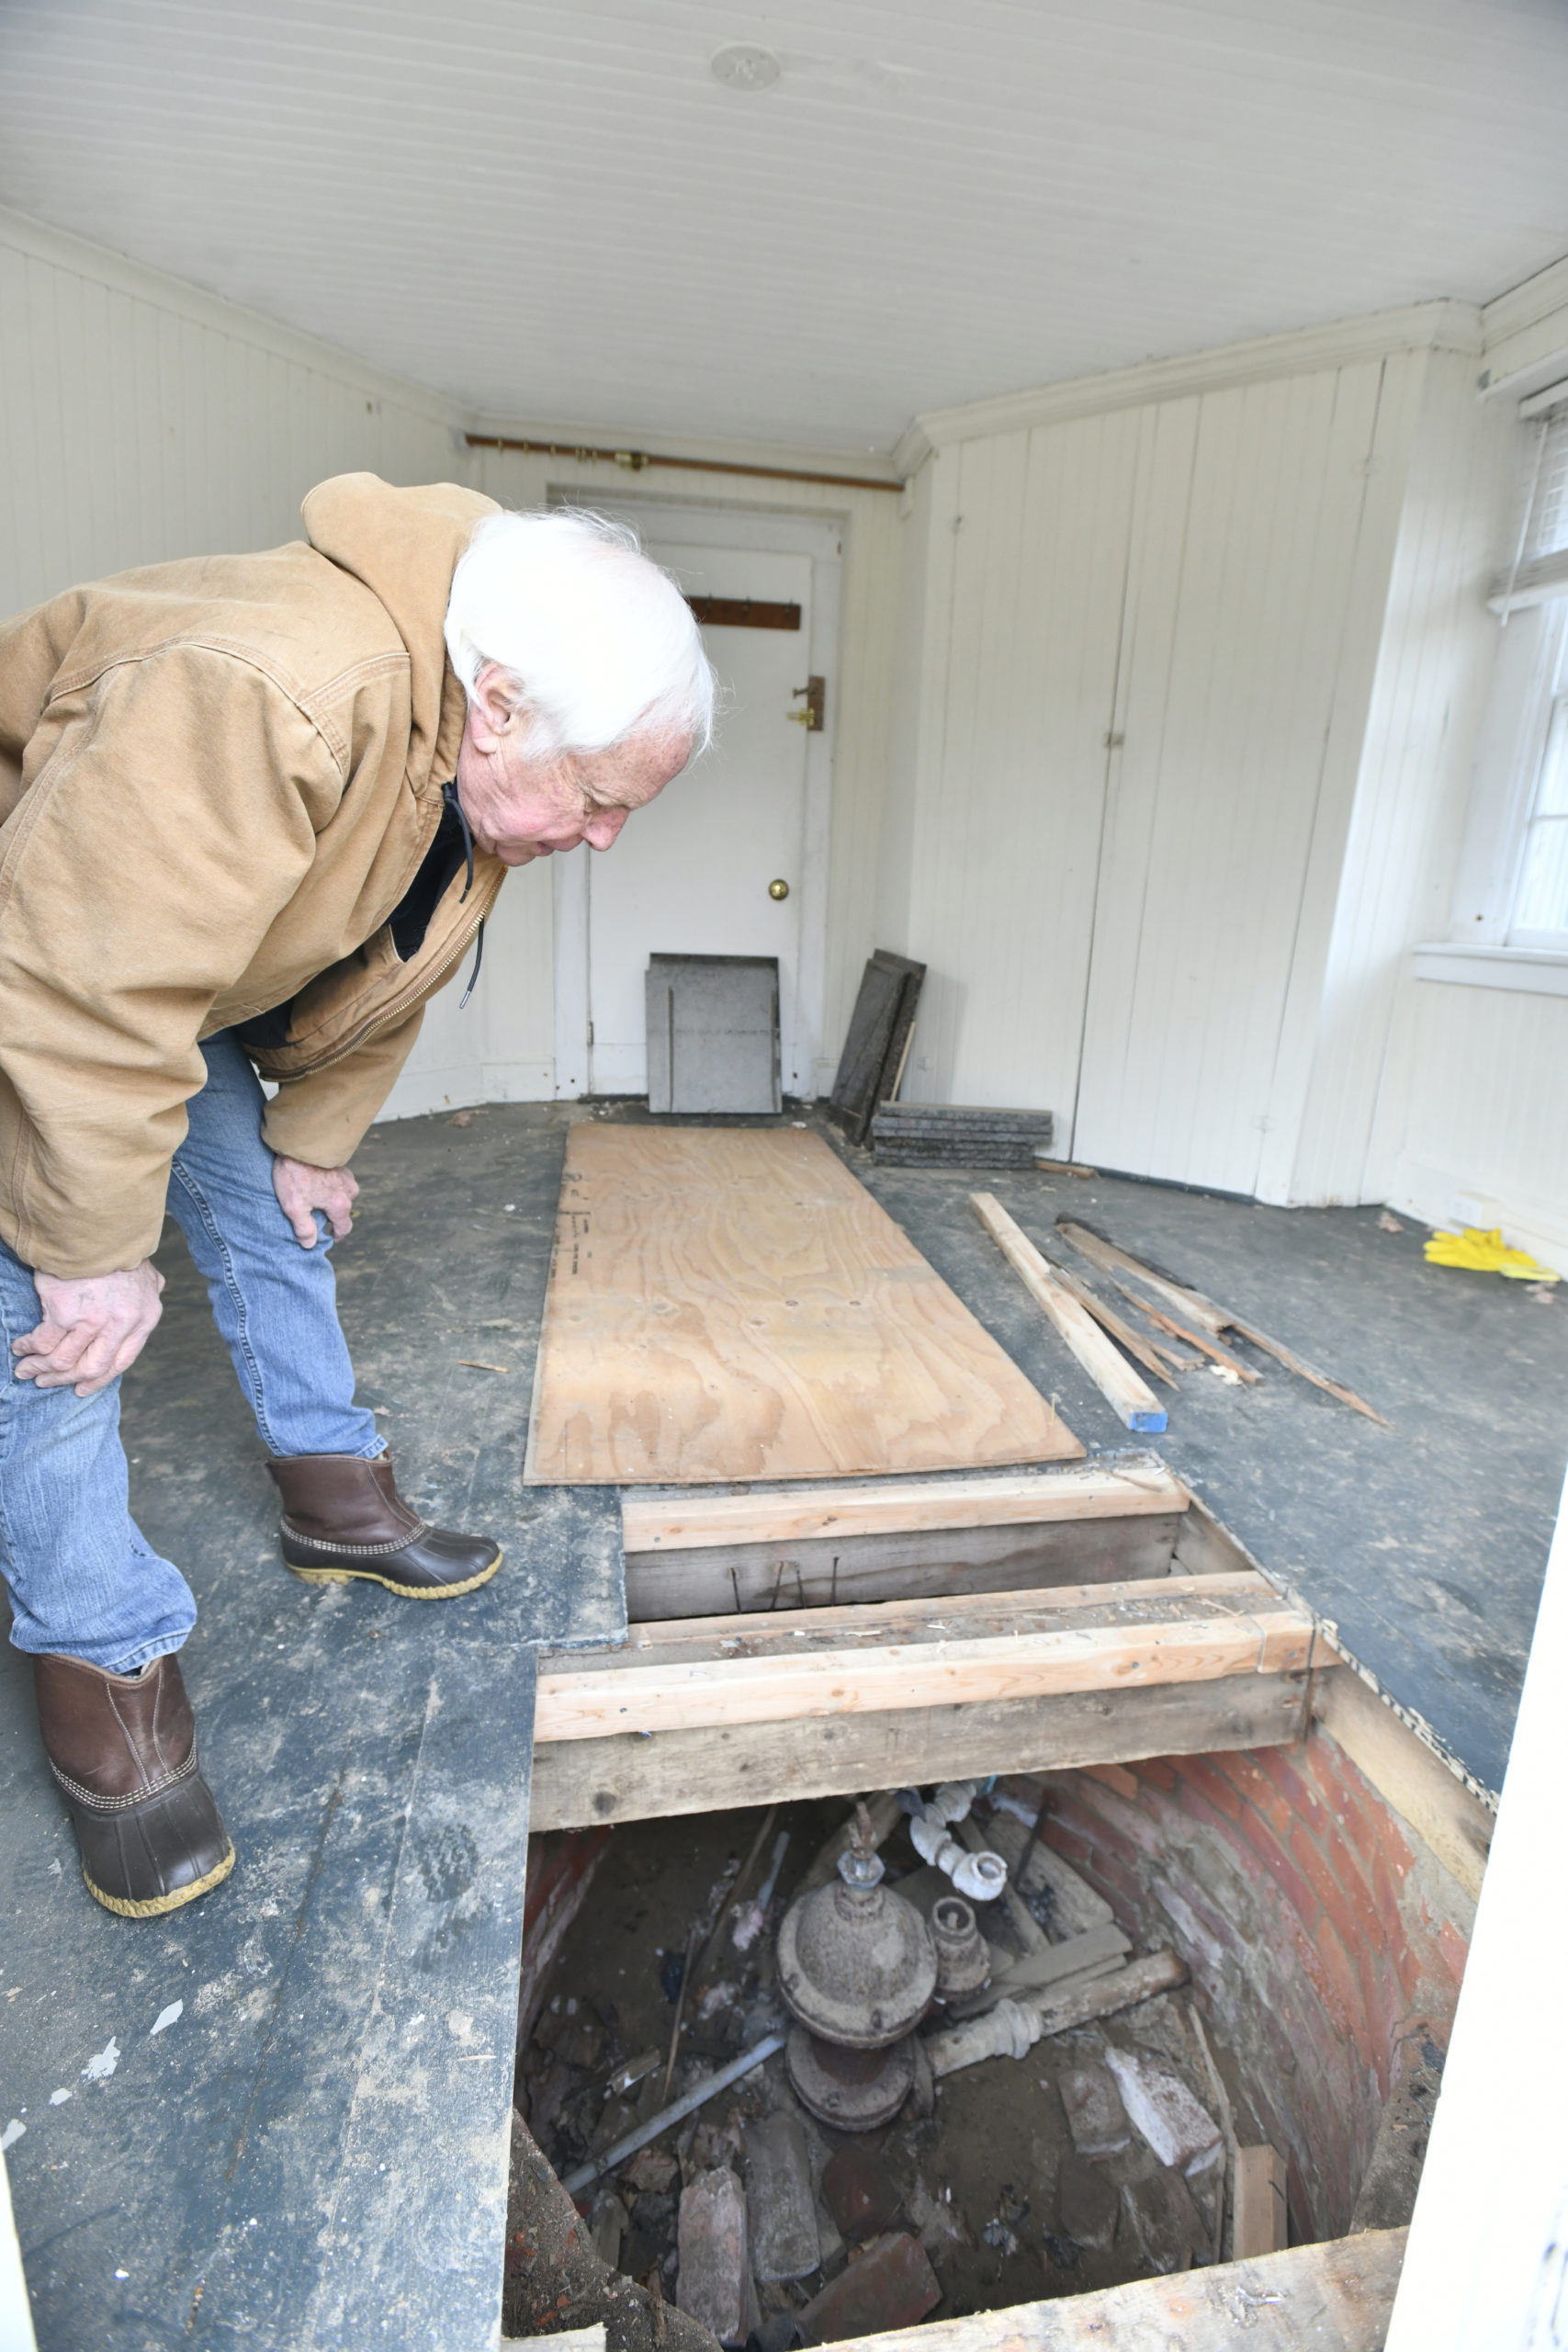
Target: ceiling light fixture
column 744, row 65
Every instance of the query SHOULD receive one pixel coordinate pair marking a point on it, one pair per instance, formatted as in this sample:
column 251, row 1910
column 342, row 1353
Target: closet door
column 1245, row 528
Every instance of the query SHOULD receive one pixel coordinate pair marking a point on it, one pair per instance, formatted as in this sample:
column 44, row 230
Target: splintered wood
column 730, row 1304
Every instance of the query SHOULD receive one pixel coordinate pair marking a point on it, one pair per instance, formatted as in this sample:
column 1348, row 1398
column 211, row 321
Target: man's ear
column 494, row 707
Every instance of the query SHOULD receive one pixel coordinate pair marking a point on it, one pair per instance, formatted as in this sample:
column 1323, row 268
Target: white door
column 694, row 872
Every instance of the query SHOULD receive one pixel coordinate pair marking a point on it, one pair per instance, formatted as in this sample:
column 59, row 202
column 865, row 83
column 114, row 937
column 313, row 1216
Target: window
column 1541, row 899
column 1540, row 547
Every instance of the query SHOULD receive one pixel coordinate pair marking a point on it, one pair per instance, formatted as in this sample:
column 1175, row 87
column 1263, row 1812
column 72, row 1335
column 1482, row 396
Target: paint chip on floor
column 170, row 2016
column 100, row 2068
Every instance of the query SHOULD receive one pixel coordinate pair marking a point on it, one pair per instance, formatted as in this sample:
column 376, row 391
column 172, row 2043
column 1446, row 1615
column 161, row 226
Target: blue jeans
column 83, row 1579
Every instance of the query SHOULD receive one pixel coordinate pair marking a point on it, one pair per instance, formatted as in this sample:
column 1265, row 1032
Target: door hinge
column 591, row 1033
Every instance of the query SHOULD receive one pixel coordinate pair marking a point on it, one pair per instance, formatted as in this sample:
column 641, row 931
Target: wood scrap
column 1215, row 1320
column 1141, row 1351
column 1195, row 1338
column 1112, row 1261
column 1260, row 2225
column 1304, row 1371
column 1132, row 1400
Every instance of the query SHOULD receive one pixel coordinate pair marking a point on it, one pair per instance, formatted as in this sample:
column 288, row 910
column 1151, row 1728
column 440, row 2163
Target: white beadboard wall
column 1435, row 663
column 1483, row 1113
column 1190, row 668
column 142, row 420
column 862, row 686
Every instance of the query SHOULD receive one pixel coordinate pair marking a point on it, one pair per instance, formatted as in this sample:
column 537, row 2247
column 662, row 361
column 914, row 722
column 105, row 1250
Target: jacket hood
column 404, row 546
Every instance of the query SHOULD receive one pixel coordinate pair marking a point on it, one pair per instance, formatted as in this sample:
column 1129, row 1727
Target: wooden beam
column 1334, row 2297
column 628, row 1778
column 1129, row 1396
column 745, row 1579
column 651, row 1522
column 971, row 1613
column 600, row 1698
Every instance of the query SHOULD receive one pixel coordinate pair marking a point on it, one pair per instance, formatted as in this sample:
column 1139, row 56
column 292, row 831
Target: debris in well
column 861, row 2175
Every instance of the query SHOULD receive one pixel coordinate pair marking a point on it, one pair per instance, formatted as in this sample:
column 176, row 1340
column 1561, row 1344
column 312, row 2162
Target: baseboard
column 1438, row 1196
column 418, row 1093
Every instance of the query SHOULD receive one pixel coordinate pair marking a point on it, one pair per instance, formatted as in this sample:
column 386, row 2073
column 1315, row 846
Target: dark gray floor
column 312, row 2155
column 1425, row 1544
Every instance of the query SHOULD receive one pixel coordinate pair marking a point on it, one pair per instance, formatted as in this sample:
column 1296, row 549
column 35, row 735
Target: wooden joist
column 791, row 1672
column 764, row 1550
column 627, row 1777
column 652, row 1523
column 1129, row 1396
column 970, row 1615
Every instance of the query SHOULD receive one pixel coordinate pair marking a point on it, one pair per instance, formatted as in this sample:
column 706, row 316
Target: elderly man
column 256, row 810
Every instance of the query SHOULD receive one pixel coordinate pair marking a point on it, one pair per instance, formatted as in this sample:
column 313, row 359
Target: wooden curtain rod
column 635, row 460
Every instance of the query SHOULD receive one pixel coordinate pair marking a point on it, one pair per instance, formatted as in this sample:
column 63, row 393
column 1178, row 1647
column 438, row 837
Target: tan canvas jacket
column 217, row 781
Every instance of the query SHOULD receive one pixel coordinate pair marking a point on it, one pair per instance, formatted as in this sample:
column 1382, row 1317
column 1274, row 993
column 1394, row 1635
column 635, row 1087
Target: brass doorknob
column 779, row 889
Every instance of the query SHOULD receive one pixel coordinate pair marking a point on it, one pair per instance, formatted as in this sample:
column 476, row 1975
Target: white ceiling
column 555, row 212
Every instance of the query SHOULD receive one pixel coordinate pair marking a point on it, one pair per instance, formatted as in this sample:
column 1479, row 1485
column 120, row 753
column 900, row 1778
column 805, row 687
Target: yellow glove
column 1485, row 1254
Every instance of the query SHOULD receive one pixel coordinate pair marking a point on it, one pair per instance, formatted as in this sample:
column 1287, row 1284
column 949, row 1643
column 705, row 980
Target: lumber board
column 1198, row 1339
column 1110, row 1261
column 590, row 1700
column 731, row 1304
column 1141, row 1351
column 651, row 1522
column 1136, row 1601
column 1334, row 2297
column 747, row 1578
column 1215, row 1318
column 1125, row 1391
column 1261, row 2225
column 577, row 1782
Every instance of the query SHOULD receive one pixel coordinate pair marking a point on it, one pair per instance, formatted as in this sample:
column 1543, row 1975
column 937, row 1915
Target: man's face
column 521, row 807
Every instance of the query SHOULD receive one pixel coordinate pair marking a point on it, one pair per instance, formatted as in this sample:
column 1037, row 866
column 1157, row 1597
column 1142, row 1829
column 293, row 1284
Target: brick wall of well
column 1320, row 1931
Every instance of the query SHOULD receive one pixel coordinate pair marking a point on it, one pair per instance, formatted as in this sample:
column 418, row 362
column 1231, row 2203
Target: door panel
column 1243, row 541
column 690, row 874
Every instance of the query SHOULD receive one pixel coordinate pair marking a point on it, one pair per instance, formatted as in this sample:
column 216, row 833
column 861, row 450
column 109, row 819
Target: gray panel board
column 713, row 1034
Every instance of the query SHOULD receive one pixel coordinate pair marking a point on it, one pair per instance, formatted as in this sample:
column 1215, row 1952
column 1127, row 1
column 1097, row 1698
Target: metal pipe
column 674, row 2114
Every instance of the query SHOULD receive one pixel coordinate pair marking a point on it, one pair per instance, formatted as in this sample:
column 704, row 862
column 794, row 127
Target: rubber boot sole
column 389, row 1584
column 157, row 1904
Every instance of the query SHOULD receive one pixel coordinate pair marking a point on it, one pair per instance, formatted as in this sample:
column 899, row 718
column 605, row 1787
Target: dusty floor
column 980, row 2180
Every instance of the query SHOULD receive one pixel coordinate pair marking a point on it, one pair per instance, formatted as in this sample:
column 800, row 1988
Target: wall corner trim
column 913, row 449
column 1421, row 326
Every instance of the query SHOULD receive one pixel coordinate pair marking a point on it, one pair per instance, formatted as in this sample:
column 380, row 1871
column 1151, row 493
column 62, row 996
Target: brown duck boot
column 123, row 1748
column 344, row 1517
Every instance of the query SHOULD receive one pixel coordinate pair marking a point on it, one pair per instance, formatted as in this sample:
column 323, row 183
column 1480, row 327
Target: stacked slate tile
column 958, row 1134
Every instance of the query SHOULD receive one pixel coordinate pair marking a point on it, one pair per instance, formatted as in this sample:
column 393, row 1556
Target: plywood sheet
column 730, row 1304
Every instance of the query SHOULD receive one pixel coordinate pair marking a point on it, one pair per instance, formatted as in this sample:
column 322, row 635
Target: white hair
column 599, row 643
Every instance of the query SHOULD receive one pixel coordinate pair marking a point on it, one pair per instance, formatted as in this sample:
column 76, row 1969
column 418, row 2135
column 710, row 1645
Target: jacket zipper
column 400, row 1004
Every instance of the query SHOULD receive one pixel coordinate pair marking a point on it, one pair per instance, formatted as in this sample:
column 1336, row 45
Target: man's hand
column 92, row 1329
column 302, row 1189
